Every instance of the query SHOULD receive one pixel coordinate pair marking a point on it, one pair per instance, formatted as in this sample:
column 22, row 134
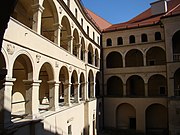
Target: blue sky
column 117, row 11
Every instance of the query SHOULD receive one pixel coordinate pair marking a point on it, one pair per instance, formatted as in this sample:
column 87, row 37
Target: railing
column 176, row 57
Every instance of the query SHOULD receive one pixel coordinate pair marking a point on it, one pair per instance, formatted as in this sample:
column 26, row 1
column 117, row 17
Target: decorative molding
column 38, row 57
column 10, row 49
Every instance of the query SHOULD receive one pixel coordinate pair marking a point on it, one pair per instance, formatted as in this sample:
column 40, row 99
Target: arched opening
column 119, row 41
column 82, row 49
column 65, row 34
column 108, row 42
column 97, row 87
column 75, row 42
column 49, row 18
column 82, row 87
column 157, row 86
column 177, row 83
column 157, row 36
column 155, row 56
column 90, row 84
column 23, row 12
column 144, row 38
column 114, row 60
column 96, row 58
column 45, row 75
column 132, row 39
column 64, row 80
column 90, row 54
column 176, row 46
column 135, row 86
column 134, row 58
column 155, row 123
column 126, row 116
column 2, row 66
column 114, row 87
column 22, row 70
column 74, row 87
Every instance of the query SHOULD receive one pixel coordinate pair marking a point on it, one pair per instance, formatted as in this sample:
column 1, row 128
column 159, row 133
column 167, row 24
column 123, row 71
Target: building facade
column 51, row 50
column 141, row 71
column 70, row 72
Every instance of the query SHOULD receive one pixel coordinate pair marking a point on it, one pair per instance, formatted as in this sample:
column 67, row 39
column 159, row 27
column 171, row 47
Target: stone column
column 76, row 92
column 86, row 56
column 5, row 102
column 144, row 59
column 67, row 92
column 53, row 95
column 57, row 33
column 124, row 62
column 93, row 59
column 78, row 50
column 32, row 97
column 146, row 89
column 37, row 14
column 87, row 91
column 92, row 93
column 83, row 91
column 70, row 43
column 124, row 90
column 140, row 120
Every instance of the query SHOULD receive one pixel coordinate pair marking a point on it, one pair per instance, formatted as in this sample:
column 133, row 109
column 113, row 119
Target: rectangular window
column 69, row 130
column 88, row 30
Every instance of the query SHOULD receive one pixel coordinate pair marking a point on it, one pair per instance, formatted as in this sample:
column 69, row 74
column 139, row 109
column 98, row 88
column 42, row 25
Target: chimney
column 159, row 7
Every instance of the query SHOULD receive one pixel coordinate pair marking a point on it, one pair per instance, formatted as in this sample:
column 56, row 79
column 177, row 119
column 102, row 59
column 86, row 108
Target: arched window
column 76, row 13
column 176, row 46
column 88, row 30
column 120, row 41
column 114, row 60
column 132, row 39
column 109, row 42
column 144, row 38
column 157, row 36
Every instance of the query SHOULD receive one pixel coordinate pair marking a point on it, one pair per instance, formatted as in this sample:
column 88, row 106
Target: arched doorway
column 74, row 87
column 90, row 84
column 76, row 44
column 45, row 75
column 156, row 124
column 114, row 60
column 126, row 116
column 90, row 54
column 22, row 70
column 135, row 86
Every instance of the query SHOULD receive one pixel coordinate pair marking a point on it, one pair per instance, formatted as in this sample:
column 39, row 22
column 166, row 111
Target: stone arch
column 65, row 33
column 156, row 123
column 157, row 85
column 134, row 58
column 90, row 84
column 82, row 87
column 126, row 116
column 114, row 86
column 23, row 12
column 75, row 43
column 176, row 46
column 74, row 83
column 155, row 56
column 82, row 49
column 96, row 58
column 22, row 70
column 64, row 80
column 49, row 19
column 90, row 54
column 114, row 60
column 46, row 75
column 177, row 82
column 135, row 86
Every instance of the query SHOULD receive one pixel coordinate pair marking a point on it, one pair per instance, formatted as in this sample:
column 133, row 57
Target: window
column 132, row 39
column 76, row 13
column 144, row 38
column 68, row 3
column 81, row 22
column 69, row 130
column 98, row 39
column 109, row 42
column 88, row 30
column 157, row 36
column 119, row 41
column 93, row 36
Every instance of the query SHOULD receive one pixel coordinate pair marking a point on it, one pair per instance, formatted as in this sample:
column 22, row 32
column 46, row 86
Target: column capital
column 37, row 7
column 70, row 37
column 57, row 26
column 53, row 82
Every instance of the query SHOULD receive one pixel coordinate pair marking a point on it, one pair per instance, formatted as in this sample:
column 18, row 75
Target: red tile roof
column 143, row 19
column 99, row 21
